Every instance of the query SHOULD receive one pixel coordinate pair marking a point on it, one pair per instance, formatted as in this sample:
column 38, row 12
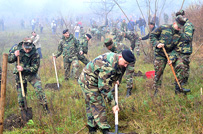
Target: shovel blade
column 26, row 115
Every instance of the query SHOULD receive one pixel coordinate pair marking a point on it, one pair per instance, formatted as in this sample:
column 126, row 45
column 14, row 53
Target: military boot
column 128, row 92
column 105, row 131
column 177, row 90
column 92, row 130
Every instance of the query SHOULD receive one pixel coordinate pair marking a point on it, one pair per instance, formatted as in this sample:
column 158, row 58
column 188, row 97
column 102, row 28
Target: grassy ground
column 141, row 113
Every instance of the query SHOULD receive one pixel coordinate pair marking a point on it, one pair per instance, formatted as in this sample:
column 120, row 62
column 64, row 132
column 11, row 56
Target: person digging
column 96, row 81
column 29, row 62
column 118, row 48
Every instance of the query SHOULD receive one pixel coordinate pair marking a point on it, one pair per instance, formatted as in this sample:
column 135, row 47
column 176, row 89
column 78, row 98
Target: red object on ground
column 150, row 74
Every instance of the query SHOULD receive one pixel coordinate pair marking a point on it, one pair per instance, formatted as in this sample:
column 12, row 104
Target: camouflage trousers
column 95, row 107
column 129, row 75
column 182, row 67
column 159, row 66
column 83, row 59
column 74, row 71
column 135, row 45
column 36, row 83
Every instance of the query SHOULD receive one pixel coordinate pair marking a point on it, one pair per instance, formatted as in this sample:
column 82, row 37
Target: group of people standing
column 100, row 74
column 96, row 78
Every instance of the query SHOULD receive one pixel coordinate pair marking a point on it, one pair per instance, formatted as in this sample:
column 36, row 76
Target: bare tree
column 102, row 8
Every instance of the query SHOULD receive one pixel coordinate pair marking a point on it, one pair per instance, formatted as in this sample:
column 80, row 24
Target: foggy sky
column 33, row 8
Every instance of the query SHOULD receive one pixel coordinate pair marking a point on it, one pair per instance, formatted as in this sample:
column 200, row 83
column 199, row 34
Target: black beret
column 65, row 31
column 108, row 42
column 128, row 55
column 89, row 36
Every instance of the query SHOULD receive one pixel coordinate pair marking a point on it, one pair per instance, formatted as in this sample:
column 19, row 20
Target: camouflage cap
column 108, row 42
column 180, row 20
column 181, row 12
column 27, row 42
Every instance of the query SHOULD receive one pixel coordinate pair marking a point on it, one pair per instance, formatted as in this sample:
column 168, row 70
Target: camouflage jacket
column 133, row 38
column 185, row 44
column 101, row 73
column 29, row 61
column 147, row 36
column 124, row 27
column 118, row 37
column 167, row 35
column 118, row 47
column 84, row 44
column 69, row 47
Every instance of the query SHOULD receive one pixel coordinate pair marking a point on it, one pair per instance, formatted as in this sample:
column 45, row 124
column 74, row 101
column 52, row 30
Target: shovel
column 181, row 89
column 56, row 71
column 26, row 113
column 116, row 113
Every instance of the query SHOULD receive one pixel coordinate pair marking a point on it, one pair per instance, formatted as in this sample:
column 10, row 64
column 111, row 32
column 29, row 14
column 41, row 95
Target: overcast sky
column 33, row 8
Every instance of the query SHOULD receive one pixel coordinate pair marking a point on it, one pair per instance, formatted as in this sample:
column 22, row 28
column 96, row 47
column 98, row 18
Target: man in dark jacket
column 151, row 28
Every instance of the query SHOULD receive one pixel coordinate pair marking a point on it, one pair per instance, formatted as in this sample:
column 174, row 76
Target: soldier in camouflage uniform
column 117, row 35
column 69, row 46
column 82, row 31
column 96, row 81
column 29, row 65
column 167, row 36
column 133, row 38
column 180, row 56
column 84, row 48
column 124, row 26
column 117, row 48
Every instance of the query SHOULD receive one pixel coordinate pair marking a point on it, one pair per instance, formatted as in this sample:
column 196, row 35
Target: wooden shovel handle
column 172, row 69
column 20, row 75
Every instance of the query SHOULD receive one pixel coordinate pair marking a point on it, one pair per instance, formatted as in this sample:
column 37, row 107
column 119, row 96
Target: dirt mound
column 13, row 121
column 52, row 86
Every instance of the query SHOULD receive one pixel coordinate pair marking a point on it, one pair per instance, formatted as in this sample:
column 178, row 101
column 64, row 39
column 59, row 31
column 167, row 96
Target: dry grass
column 141, row 112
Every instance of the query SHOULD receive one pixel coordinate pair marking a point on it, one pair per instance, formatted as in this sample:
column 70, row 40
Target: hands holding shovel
column 26, row 113
column 161, row 45
column 19, row 68
column 115, row 108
